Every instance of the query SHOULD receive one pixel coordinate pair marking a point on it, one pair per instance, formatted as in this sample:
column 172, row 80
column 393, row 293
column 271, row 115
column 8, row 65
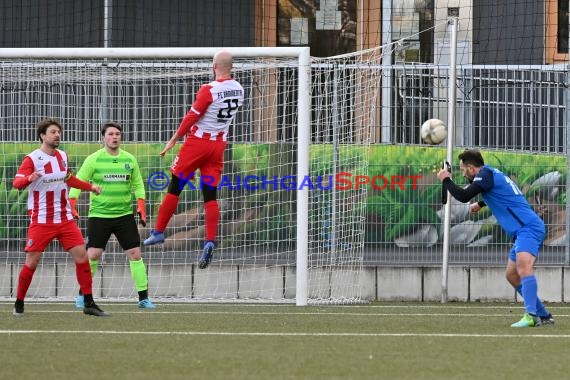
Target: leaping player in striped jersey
column 206, row 128
column 46, row 174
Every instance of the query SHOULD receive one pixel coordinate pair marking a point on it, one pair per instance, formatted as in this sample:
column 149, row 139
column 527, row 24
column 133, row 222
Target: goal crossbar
column 303, row 53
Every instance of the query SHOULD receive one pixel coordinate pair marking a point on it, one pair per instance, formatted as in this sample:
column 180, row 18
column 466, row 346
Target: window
column 556, row 31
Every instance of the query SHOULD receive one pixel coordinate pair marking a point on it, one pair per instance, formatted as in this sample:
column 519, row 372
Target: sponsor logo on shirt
column 53, row 180
column 116, row 177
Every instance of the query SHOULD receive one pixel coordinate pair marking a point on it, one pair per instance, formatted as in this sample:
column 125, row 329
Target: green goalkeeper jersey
column 119, row 177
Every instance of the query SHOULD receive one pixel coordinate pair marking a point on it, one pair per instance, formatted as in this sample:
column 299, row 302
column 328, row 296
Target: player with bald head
column 223, row 64
column 206, row 127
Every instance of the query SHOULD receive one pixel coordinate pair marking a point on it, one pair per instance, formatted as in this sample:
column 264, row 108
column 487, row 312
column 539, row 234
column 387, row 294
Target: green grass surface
column 238, row 341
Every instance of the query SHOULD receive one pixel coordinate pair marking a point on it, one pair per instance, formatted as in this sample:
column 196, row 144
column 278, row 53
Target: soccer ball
column 433, row 131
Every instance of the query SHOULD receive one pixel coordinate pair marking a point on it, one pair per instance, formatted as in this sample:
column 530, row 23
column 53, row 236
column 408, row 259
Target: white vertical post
column 386, row 71
column 336, row 159
column 567, row 132
column 107, row 33
column 452, row 98
column 304, row 139
column 107, row 22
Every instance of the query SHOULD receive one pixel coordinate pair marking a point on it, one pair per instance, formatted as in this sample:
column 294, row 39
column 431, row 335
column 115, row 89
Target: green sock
column 138, row 273
column 93, row 264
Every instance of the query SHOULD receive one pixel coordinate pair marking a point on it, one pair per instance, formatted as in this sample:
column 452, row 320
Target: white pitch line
column 154, row 312
column 268, row 305
column 446, row 306
column 271, row 334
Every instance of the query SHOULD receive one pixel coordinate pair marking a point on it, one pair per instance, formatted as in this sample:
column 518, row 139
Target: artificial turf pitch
column 261, row 341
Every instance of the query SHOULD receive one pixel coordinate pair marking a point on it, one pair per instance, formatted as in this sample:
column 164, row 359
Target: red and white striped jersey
column 48, row 195
column 213, row 111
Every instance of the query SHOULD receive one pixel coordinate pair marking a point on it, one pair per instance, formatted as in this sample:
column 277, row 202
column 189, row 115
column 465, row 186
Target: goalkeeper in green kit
column 118, row 173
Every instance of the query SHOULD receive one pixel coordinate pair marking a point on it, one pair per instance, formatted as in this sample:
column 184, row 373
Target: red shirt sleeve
column 76, row 183
column 21, row 179
column 201, row 104
column 73, row 181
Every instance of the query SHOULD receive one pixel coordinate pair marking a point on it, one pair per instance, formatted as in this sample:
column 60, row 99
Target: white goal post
column 149, row 90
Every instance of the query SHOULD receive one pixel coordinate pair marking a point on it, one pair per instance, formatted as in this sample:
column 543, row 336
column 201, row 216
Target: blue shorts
column 529, row 239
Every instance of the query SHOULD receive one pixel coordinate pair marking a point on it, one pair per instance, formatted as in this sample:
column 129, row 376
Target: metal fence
column 518, row 111
column 500, row 109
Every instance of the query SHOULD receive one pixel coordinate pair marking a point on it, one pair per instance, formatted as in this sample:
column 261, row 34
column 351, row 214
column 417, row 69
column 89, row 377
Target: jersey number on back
column 229, row 111
column 513, row 186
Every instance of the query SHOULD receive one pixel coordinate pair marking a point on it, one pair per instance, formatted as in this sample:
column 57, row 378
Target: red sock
column 212, row 211
column 83, row 273
column 165, row 212
column 24, row 281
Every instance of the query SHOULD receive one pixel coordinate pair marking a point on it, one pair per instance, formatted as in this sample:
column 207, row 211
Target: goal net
column 287, row 231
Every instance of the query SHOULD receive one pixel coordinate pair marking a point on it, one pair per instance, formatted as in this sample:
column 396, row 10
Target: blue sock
column 540, row 308
column 529, row 289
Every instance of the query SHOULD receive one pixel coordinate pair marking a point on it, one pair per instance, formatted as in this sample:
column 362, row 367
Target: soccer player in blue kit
column 516, row 217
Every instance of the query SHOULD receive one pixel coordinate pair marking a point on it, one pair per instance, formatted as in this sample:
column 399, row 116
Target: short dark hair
column 44, row 124
column 109, row 125
column 472, row 157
